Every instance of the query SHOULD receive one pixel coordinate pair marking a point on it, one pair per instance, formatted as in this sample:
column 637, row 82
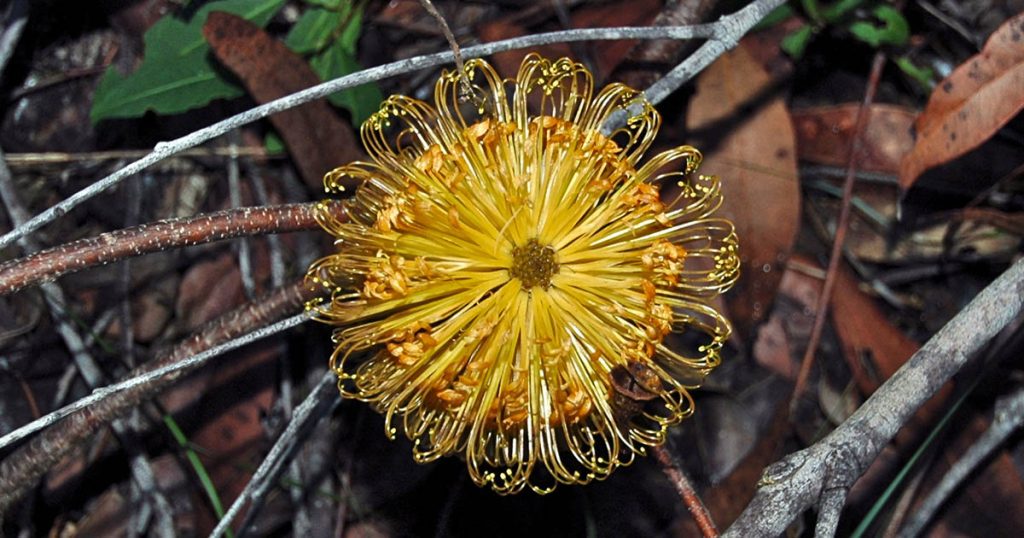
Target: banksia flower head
column 528, row 299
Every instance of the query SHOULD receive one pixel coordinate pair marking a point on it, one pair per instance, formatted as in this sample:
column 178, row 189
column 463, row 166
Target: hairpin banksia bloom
column 523, row 289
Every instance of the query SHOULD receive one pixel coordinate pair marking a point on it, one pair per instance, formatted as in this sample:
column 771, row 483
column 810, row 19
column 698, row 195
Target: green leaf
column 922, row 75
column 839, row 9
column 177, row 72
column 273, row 144
column 354, row 27
column 895, row 31
column 197, row 467
column 796, row 42
column 329, row 4
column 315, row 29
column 811, row 8
column 337, row 61
column 319, row 31
column 774, row 17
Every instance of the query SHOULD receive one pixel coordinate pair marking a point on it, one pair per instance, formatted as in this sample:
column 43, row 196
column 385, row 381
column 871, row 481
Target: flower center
column 533, row 264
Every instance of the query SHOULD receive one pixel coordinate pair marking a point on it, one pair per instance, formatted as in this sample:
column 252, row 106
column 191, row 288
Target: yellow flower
column 530, row 301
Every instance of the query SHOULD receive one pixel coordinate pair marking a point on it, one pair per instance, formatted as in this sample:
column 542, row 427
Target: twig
column 17, row 16
column 49, row 264
column 829, row 510
column 686, row 492
column 21, row 160
column 1009, row 417
column 235, row 195
column 68, row 377
column 428, row 6
column 133, row 195
column 259, row 190
column 835, row 257
column 24, row 466
column 88, row 367
column 311, row 410
column 150, row 378
column 641, row 66
column 726, row 32
column 790, row 486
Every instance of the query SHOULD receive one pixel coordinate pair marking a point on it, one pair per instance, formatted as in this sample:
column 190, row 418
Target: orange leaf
column 823, row 135
column 971, row 104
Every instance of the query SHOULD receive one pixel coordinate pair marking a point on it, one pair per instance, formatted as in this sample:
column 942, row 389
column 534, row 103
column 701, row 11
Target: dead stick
column 686, row 492
column 47, row 265
column 23, row 468
column 821, row 310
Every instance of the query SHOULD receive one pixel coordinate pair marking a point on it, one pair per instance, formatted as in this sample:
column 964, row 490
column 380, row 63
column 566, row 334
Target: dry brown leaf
column 208, row 289
column 316, row 137
column 823, row 135
column 754, row 152
column 971, row 104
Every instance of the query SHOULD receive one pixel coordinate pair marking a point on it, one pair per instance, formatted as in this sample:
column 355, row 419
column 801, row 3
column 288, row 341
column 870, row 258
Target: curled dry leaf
column 316, row 137
column 748, row 140
column 971, row 104
column 823, row 135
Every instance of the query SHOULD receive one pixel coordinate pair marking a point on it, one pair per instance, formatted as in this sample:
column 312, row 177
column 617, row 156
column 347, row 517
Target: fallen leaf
column 823, row 135
column 971, row 104
column 317, row 138
column 866, row 334
column 753, row 151
column 981, row 232
column 876, row 348
column 209, row 289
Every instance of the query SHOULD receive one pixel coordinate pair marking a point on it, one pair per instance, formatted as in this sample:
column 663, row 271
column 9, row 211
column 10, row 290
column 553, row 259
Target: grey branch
column 88, row 367
column 187, row 364
column 727, row 30
column 306, row 415
column 1009, row 418
column 797, row 482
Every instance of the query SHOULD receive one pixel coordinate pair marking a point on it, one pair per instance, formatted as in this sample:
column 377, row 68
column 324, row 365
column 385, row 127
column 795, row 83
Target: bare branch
column 1009, row 418
column 50, row 264
column 842, row 224
column 829, row 510
column 795, row 483
column 726, row 32
column 88, row 367
column 149, row 377
column 689, row 496
column 306, row 415
column 17, row 16
column 20, row 470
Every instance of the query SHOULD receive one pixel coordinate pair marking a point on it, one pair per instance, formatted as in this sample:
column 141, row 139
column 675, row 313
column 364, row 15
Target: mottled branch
column 49, row 264
column 65, row 430
column 799, row 480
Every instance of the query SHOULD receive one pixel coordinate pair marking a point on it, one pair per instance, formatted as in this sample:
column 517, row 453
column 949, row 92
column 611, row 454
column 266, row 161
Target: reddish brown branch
column 47, row 265
column 23, row 468
column 686, row 493
column 856, row 143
